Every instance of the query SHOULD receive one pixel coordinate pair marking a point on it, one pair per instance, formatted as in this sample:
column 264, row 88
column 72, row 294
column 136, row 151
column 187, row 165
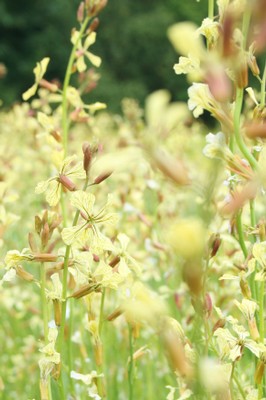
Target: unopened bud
column 94, row 25
column 254, row 333
column 52, row 87
column 255, row 130
column 102, row 177
column 252, row 63
column 87, row 158
column 115, row 314
column 26, row 276
column 242, row 76
column 259, row 372
column 85, row 290
column 219, row 324
column 208, row 304
column 215, row 243
column 80, row 12
column 57, row 312
column 67, row 183
column 38, row 224
column 245, row 289
column 56, row 135
column 44, row 257
column 45, row 234
column 32, row 242
column 114, row 261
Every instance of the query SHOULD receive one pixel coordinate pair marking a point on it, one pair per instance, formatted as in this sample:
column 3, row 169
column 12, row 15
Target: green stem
column 65, row 121
column 240, row 232
column 211, row 9
column 241, row 391
column 231, row 381
column 261, row 311
column 239, row 139
column 101, row 319
column 262, row 90
column 131, row 365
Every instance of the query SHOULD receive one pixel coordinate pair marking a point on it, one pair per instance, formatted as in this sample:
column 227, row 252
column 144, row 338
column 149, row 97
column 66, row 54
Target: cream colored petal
column 95, row 60
column 30, row 92
column 90, row 40
column 42, row 186
column 73, row 234
column 53, row 193
column 83, row 201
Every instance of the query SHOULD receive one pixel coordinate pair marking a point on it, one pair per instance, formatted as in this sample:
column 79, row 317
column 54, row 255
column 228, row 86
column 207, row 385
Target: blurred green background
column 137, row 57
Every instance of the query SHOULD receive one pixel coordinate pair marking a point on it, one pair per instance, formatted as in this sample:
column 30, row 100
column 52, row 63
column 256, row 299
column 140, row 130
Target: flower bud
column 94, row 25
column 57, row 312
column 38, row 224
column 45, row 234
column 259, row 372
column 102, row 177
column 219, row 324
column 115, row 314
column 214, row 243
column 44, row 257
column 52, row 87
column 32, row 242
column 87, row 158
column 24, row 274
column 245, row 289
column 80, row 12
column 67, row 183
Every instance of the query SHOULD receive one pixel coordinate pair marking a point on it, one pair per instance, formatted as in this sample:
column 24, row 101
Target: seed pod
column 67, row 183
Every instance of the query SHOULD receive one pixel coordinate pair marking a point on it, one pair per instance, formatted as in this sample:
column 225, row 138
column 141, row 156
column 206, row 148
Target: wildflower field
column 133, row 246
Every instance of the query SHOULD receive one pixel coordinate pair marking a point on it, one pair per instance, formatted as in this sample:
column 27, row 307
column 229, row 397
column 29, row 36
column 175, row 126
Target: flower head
column 82, row 50
column 53, row 186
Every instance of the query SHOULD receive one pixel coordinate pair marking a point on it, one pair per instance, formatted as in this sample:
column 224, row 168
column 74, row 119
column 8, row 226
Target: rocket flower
column 126, row 261
column 259, row 254
column 53, row 186
column 88, row 231
column 232, row 346
column 82, row 50
column 51, row 356
column 39, row 72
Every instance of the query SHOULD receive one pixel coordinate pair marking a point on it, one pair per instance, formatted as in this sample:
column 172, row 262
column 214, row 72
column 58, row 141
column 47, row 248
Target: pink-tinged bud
column 80, row 12
column 255, row 130
column 227, row 34
column 219, row 324
column 78, row 115
column 144, row 219
column 57, row 312
column 45, row 234
column 26, row 276
column 52, row 87
column 32, row 242
column 245, row 289
column 87, row 158
column 95, row 8
column 208, row 305
column 67, row 183
column 115, row 314
column 102, row 177
column 96, row 258
column 219, row 84
column 178, row 301
column 239, row 199
column 259, row 372
column 45, row 257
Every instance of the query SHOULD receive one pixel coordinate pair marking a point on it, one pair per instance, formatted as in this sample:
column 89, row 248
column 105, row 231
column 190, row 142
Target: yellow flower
column 127, row 262
column 82, row 50
column 88, row 230
column 39, row 72
column 53, row 186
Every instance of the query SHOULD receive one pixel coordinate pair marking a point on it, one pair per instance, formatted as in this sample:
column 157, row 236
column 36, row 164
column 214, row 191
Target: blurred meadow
column 132, row 200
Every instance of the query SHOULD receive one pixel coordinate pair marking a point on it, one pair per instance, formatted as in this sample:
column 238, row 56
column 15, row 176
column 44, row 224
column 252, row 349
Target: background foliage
column 137, row 56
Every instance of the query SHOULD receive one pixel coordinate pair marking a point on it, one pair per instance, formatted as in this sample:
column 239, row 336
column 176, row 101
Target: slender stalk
column 130, row 365
column 240, row 232
column 262, row 90
column 65, row 121
column 101, row 319
column 211, row 9
column 241, row 391
column 231, row 381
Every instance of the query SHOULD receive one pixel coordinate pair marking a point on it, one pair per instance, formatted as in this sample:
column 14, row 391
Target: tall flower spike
column 88, row 230
column 39, row 72
column 53, row 186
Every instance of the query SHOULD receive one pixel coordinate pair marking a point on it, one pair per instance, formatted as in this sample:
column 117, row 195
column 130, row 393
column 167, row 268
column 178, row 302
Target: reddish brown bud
column 94, row 25
column 219, row 324
column 215, row 243
column 38, row 224
column 114, row 261
column 102, row 177
column 67, row 183
column 56, row 135
column 208, row 304
column 242, row 75
column 85, row 290
column 115, row 314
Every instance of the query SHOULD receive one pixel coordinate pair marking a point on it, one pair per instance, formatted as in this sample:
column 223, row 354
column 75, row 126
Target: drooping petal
column 73, row 234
